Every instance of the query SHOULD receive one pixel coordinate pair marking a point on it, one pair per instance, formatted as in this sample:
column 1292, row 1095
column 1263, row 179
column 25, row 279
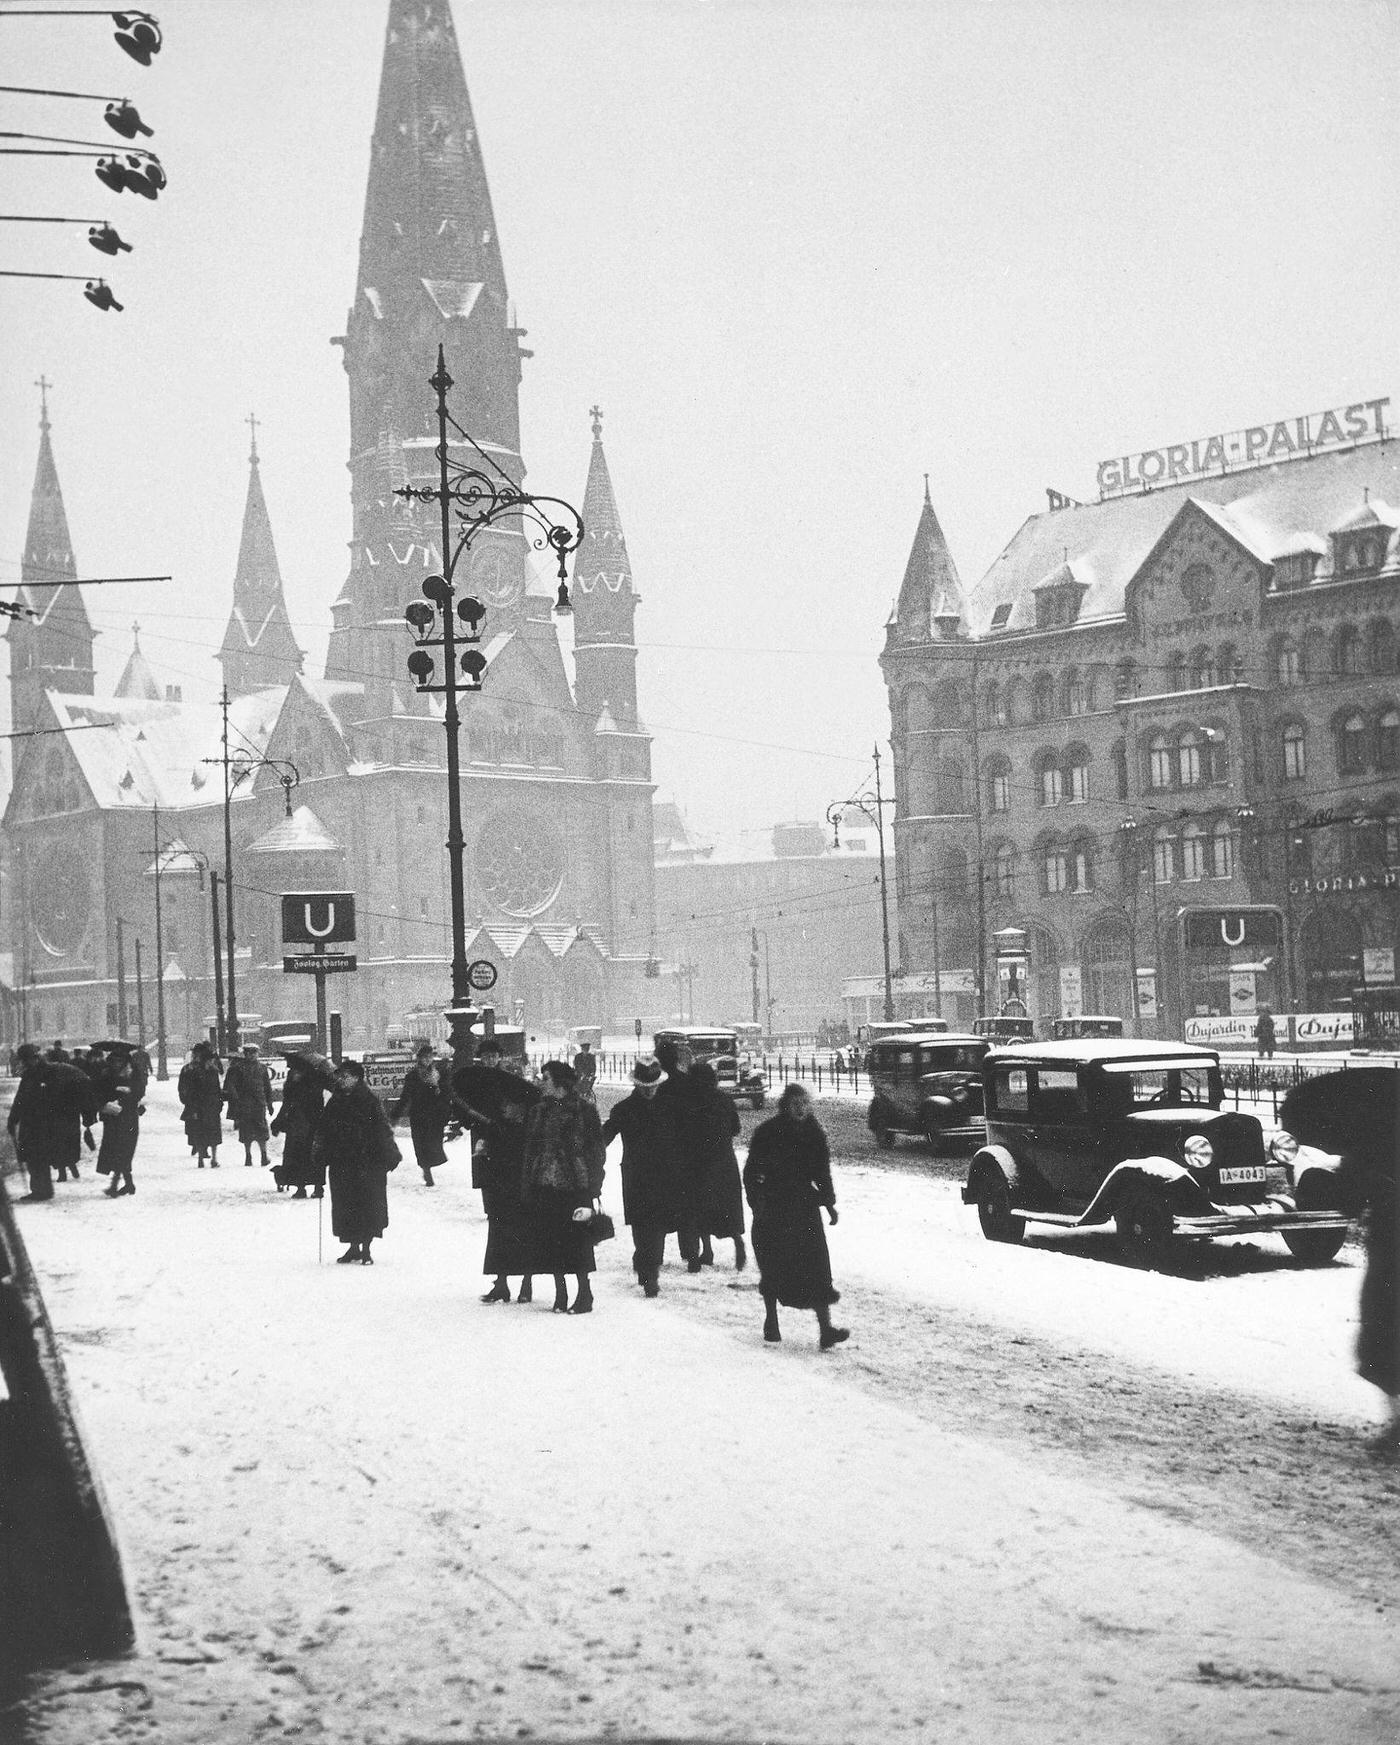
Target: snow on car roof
column 1106, row 1049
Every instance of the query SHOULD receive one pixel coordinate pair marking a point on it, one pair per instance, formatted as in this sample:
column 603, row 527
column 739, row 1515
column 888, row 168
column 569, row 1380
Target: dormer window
column 1056, row 606
column 1000, row 616
column 1295, row 569
column 1358, row 553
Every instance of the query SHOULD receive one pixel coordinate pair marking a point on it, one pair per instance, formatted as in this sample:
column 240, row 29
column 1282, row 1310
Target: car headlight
column 1283, row 1149
column 1199, row 1152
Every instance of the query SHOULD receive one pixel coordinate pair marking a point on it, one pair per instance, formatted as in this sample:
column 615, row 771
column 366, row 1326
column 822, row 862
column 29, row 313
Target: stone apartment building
column 1160, row 738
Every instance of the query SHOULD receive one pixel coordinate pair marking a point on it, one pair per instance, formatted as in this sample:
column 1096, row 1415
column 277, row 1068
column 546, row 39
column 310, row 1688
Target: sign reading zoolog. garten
column 1342, row 427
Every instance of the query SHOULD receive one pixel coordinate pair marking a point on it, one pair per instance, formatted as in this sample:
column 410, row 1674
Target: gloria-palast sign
column 1342, row 427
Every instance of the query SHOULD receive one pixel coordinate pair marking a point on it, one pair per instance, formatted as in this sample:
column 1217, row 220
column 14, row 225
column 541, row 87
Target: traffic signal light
column 138, row 34
column 122, row 118
column 104, row 238
column 99, row 293
column 141, row 175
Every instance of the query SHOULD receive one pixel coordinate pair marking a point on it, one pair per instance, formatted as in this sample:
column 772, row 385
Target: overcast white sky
column 800, row 252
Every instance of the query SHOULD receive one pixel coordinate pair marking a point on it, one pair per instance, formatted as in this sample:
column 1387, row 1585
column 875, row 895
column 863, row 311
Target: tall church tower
column 52, row 650
column 605, row 642
column 430, row 272
column 259, row 649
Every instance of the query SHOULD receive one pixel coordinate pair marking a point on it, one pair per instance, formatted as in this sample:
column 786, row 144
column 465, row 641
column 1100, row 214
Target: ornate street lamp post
column 470, row 494
column 873, row 806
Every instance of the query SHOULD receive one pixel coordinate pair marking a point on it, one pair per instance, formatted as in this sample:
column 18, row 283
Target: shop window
column 1295, row 753
column 1351, row 752
column 1388, row 739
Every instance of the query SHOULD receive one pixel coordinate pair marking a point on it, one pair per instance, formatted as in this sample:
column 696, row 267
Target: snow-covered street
column 357, row 1505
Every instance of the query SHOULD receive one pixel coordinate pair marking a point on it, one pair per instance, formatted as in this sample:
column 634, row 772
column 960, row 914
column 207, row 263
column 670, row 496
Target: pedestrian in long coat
column 721, row 1208
column 682, row 1099
column 202, row 1102
column 495, row 1105
column 788, row 1180
column 50, row 1119
column 563, row 1177
column 355, row 1145
column 653, row 1192
column 309, row 1082
column 118, row 1090
column 248, row 1093
column 1356, row 1114
column 426, row 1098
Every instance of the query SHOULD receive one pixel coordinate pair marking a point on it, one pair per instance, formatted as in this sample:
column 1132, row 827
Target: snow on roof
column 302, row 833
column 1266, row 509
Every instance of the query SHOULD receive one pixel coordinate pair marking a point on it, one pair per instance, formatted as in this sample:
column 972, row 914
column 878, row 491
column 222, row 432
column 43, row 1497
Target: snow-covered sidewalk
column 358, row 1505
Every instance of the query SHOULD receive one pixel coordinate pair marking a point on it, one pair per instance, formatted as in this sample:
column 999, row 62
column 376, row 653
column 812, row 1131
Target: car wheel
column 994, row 1209
column 1314, row 1247
column 1144, row 1223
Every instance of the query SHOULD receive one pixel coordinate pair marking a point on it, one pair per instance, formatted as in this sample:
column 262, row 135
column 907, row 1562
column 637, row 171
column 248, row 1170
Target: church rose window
column 519, row 862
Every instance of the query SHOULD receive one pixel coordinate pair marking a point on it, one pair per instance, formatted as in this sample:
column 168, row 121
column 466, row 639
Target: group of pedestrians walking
column 61, row 1097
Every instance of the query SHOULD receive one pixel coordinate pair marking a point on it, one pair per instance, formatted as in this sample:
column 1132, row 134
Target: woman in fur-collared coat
column 561, row 1182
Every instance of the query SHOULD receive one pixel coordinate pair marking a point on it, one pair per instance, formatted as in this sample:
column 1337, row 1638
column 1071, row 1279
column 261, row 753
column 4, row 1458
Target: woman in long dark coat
column 653, row 1196
column 1356, row 1114
column 248, row 1093
column 304, row 1094
column 118, row 1089
column 788, row 1180
column 563, row 1177
column 495, row 1104
column 425, row 1098
column 681, row 1097
column 202, row 1102
column 721, row 1194
column 355, row 1145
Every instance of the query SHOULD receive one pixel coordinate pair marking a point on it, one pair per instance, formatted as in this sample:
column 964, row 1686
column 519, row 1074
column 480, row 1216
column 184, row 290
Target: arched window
column 1288, row 663
column 1295, row 752
column 1004, row 870
column 992, row 706
column 1176, row 672
column 1081, row 864
column 1163, row 856
column 1159, row 762
column 1125, row 679
column 1193, row 852
column 1043, row 697
column 1223, row 840
column 1351, row 749
column 1188, row 758
column 1076, row 693
column 950, row 790
column 1055, row 868
column 1382, row 651
column 1229, row 666
column 999, row 786
column 1348, row 653
column 1388, row 739
column 1051, row 782
column 1077, row 775
column 1016, row 702
column 1202, row 669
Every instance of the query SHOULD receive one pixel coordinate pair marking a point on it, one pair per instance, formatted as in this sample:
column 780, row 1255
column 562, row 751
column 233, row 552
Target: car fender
column 995, row 1157
column 1163, row 1172
column 879, row 1114
column 1319, row 1187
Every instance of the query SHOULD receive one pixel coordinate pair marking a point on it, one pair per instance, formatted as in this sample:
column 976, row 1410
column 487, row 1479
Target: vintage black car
column 1004, row 1029
column 927, row 1083
column 737, row 1073
column 1134, row 1134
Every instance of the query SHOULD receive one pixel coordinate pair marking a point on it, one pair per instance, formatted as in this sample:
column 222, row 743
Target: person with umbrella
column 427, row 1101
column 1356, row 1115
column 355, row 1145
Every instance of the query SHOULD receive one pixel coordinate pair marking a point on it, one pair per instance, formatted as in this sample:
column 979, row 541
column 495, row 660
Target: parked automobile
column 1002, row 1030
column 1134, row 1134
column 929, row 1084
column 720, row 1047
column 1087, row 1024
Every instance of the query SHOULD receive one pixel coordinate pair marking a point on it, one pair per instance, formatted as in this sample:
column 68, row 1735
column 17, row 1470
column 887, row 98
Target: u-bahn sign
column 318, row 917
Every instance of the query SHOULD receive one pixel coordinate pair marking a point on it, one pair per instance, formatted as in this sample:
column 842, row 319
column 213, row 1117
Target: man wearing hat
column 119, row 1086
column 50, row 1118
column 248, row 1093
column 426, row 1100
column 653, row 1187
column 494, row 1103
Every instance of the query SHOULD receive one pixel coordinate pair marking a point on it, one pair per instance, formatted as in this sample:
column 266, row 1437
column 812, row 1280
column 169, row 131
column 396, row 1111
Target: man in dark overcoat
column 248, row 1093
column 355, row 1145
column 495, row 1104
column 426, row 1098
column 50, row 1119
column 654, row 1199
column 683, row 1101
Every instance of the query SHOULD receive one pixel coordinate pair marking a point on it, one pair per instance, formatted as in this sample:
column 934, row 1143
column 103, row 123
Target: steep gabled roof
column 259, row 648
column 931, row 579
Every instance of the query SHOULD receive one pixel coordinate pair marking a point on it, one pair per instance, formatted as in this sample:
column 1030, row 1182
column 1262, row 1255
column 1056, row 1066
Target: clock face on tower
column 60, row 901
column 494, row 577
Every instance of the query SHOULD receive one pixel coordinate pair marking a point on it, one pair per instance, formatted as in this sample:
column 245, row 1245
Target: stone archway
column 1107, row 967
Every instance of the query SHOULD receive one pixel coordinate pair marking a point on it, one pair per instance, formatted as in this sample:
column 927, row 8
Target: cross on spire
column 252, row 422
column 136, row 636
column 596, row 414
column 43, row 385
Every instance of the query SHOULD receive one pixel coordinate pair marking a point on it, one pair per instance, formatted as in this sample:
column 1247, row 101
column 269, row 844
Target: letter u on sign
column 317, row 917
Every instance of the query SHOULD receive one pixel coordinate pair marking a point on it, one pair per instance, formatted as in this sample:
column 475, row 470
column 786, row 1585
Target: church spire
column 931, row 596
column 605, row 643
column 52, row 650
column 259, row 649
column 430, row 272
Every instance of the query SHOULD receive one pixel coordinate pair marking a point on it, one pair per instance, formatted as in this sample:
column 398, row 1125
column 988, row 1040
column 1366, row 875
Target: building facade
column 556, row 788
column 1160, row 739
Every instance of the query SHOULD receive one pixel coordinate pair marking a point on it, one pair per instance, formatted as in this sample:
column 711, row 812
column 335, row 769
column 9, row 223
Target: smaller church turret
column 931, row 604
column 605, row 642
column 259, row 650
column 51, row 649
